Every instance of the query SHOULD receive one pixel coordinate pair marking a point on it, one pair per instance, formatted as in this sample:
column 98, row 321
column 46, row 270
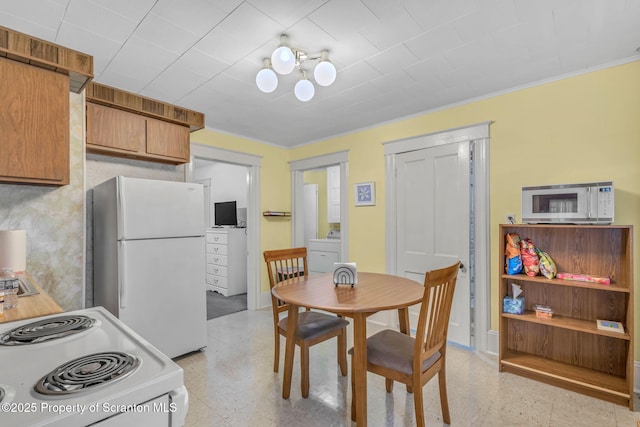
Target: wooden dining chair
column 313, row 327
column 414, row 361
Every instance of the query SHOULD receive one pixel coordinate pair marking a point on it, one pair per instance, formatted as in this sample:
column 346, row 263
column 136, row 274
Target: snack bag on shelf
column 513, row 262
column 547, row 265
column 530, row 259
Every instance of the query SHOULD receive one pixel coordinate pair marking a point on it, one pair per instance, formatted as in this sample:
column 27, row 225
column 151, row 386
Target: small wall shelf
column 276, row 213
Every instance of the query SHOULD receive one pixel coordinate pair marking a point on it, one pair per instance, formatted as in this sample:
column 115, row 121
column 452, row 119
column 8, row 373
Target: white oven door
column 166, row 410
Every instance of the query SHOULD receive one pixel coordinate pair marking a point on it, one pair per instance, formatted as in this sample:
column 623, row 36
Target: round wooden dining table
column 374, row 292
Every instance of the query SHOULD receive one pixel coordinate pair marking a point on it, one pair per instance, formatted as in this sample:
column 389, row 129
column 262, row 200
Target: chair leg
column 304, row 370
column 444, row 402
column 388, row 382
column 342, row 353
column 353, row 394
column 276, row 351
column 418, row 404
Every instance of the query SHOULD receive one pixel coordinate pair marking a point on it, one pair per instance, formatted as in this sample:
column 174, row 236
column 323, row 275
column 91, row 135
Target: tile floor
column 231, row 383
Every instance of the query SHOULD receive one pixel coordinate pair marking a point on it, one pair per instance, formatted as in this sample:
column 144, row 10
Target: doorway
column 298, row 167
column 474, row 139
column 251, row 163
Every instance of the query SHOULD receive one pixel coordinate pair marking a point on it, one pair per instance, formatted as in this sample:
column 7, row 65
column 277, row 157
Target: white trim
column 482, row 239
column 636, row 376
column 254, row 299
column 493, row 342
column 228, row 156
column 478, row 134
column 320, row 161
column 449, row 136
column 297, row 196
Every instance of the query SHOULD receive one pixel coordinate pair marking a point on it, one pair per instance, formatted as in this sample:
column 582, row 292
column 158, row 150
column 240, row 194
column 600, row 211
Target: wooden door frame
column 478, row 136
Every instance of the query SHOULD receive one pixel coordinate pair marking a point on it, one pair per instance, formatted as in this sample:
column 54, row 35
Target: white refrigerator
column 149, row 259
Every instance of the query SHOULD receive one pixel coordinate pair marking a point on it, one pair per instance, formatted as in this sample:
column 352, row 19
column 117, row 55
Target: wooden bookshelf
column 568, row 350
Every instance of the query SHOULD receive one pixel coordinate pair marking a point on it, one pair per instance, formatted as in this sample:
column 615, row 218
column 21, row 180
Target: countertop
column 30, row 306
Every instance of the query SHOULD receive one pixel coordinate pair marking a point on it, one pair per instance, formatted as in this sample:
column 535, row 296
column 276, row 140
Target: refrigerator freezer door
column 162, row 292
column 151, row 209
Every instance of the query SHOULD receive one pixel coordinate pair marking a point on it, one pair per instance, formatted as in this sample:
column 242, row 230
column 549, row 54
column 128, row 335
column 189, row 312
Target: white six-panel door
column 432, row 209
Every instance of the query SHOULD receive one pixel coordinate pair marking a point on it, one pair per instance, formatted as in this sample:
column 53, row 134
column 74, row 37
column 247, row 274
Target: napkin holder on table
column 345, row 273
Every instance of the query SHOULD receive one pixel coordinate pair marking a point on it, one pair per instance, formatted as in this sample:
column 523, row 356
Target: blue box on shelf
column 513, row 305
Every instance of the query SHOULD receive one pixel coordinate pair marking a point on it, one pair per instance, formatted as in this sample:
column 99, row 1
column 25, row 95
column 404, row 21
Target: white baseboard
column 493, row 342
column 264, row 300
column 492, row 348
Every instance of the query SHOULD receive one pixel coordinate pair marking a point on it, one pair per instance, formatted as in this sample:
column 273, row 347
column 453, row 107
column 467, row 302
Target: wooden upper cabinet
column 114, row 132
column 113, row 129
column 125, row 124
column 168, row 139
column 34, row 125
column 77, row 66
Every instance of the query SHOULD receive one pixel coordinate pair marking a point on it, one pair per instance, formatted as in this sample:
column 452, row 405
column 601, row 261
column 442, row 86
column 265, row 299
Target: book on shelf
column 610, row 325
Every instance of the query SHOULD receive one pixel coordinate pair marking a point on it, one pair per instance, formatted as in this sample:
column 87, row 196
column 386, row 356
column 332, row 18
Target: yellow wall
column 579, row 129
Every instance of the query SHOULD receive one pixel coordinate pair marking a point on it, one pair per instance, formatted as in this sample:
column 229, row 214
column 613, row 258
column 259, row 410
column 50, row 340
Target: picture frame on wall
column 365, row 194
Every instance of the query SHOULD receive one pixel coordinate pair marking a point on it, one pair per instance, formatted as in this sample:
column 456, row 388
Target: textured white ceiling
column 394, row 58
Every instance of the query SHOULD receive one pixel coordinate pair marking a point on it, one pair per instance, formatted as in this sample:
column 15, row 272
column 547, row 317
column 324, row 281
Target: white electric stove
column 86, row 367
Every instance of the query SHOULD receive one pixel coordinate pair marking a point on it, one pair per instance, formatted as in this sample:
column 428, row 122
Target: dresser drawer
column 217, row 259
column 217, row 249
column 214, row 280
column 218, row 270
column 217, row 238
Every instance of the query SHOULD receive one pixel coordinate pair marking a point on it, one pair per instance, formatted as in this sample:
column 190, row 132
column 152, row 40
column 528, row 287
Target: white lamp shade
column 283, row 60
column 324, row 73
column 304, row 90
column 266, row 80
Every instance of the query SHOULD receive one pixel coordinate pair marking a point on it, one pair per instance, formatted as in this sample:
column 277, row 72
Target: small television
column 225, row 213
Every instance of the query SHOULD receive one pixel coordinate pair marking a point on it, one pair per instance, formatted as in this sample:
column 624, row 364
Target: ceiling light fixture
column 285, row 59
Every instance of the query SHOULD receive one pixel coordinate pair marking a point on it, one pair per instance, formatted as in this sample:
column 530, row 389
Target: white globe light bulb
column 283, row 60
column 324, row 73
column 304, row 90
column 266, row 80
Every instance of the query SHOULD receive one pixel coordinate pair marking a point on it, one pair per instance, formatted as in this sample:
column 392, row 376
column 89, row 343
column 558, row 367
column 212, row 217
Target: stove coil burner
column 47, row 329
column 1, row 394
column 87, row 373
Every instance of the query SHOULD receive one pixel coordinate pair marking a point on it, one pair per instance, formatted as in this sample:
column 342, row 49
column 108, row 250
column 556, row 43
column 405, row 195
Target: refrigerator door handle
column 121, row 210
column 121, row 274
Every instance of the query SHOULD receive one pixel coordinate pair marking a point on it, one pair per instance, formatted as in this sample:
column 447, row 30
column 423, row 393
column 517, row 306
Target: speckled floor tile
column 231, row 383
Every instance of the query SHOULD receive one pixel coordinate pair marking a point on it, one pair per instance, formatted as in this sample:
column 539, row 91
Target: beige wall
column 582, row 128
